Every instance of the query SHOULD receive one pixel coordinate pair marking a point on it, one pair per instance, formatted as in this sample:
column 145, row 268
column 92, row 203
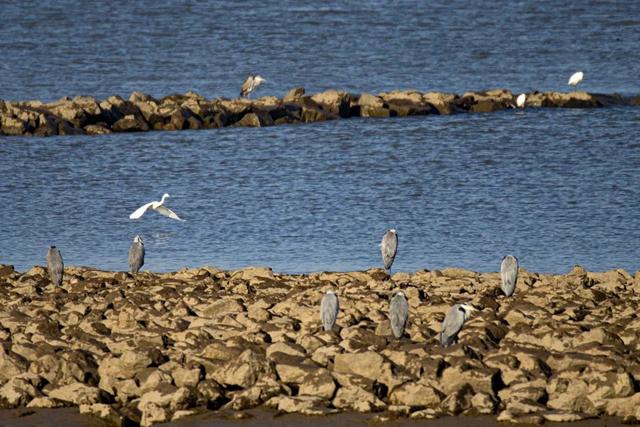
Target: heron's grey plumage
column 398, row 314
column 389, row 248
column 55, row 266
column 249, row 85
column 329, row 307
column 509, row 274
column 453, row 322
column 136, row 255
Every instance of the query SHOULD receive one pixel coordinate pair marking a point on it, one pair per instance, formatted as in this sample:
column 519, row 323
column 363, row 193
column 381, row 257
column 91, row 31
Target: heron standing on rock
column 136, row 255
column 250, row 84
column 521, row 100
column 55, row 266
column 329, row 307
column 389, row 248
column 453, row 321
column 398, row 313
column 509, row 274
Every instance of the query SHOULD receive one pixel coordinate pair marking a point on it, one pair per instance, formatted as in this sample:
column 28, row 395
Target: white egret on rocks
column 576, row 78
column 136, row 254
column 329, row 307
column 453, row 321
column 156, row 206
column 250, row 84
column 520, row 100
column 509, row 274
column 389, row 248
column 398, row 314
column 55, row 266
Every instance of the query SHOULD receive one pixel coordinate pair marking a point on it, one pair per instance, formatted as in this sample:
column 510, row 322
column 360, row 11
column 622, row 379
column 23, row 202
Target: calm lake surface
column 553, row 187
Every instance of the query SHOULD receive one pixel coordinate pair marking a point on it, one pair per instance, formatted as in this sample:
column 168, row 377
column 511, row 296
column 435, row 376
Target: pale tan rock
column 103, row 411
column 416, row 394
column 45, row 402
column 357, row 399
column 319, row 383
column 77, row 394
column 482, row 379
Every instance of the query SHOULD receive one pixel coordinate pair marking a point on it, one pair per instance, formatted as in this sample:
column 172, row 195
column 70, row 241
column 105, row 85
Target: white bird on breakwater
column 156, row 206
column 520, row 100
column 576, row 78
column 251, row 83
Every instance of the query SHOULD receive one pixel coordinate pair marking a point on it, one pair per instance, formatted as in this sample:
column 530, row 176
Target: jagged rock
column 12, row 126
column 293, row 95
column 307, row 405
column 11, row 364
column 480, row 378
column 130, row 123
column 97, row 130
column 103, row 411
column 319, row 384
column 45, row 402
column 243, row 371
column 337, row 103
column 78, row 394
column 19, row 390
column 357, row 399
column 416, row 394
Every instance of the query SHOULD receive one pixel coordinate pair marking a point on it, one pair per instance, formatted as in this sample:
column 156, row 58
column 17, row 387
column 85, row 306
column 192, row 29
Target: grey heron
column 55, row 266
column 575, row 78
column 329, row 307
column 389, row 248
column 136, row 254
column 250, row 84
column 156, row 206
column 509, row 274
column 398, row 313
column 453, row 321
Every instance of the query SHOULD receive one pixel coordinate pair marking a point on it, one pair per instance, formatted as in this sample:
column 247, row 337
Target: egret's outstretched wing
column 140, row 211
column 168, row 213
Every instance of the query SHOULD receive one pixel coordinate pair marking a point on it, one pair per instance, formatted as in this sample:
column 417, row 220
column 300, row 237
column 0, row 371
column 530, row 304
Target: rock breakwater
column 152, row 347
column 140, row 113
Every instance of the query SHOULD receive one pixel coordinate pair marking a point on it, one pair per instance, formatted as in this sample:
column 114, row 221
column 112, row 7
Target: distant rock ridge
column 85, row 115
column 150, row 348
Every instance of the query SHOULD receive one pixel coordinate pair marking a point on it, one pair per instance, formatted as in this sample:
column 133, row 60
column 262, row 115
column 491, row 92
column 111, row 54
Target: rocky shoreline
column 85, row 115
column 151, row 348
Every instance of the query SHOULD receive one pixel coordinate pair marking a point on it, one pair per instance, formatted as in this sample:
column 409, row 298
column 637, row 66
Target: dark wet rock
column 130, row 123
column 257, row 119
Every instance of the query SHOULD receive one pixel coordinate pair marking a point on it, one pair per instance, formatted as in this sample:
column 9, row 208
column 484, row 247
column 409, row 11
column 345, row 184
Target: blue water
column 553, row 187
